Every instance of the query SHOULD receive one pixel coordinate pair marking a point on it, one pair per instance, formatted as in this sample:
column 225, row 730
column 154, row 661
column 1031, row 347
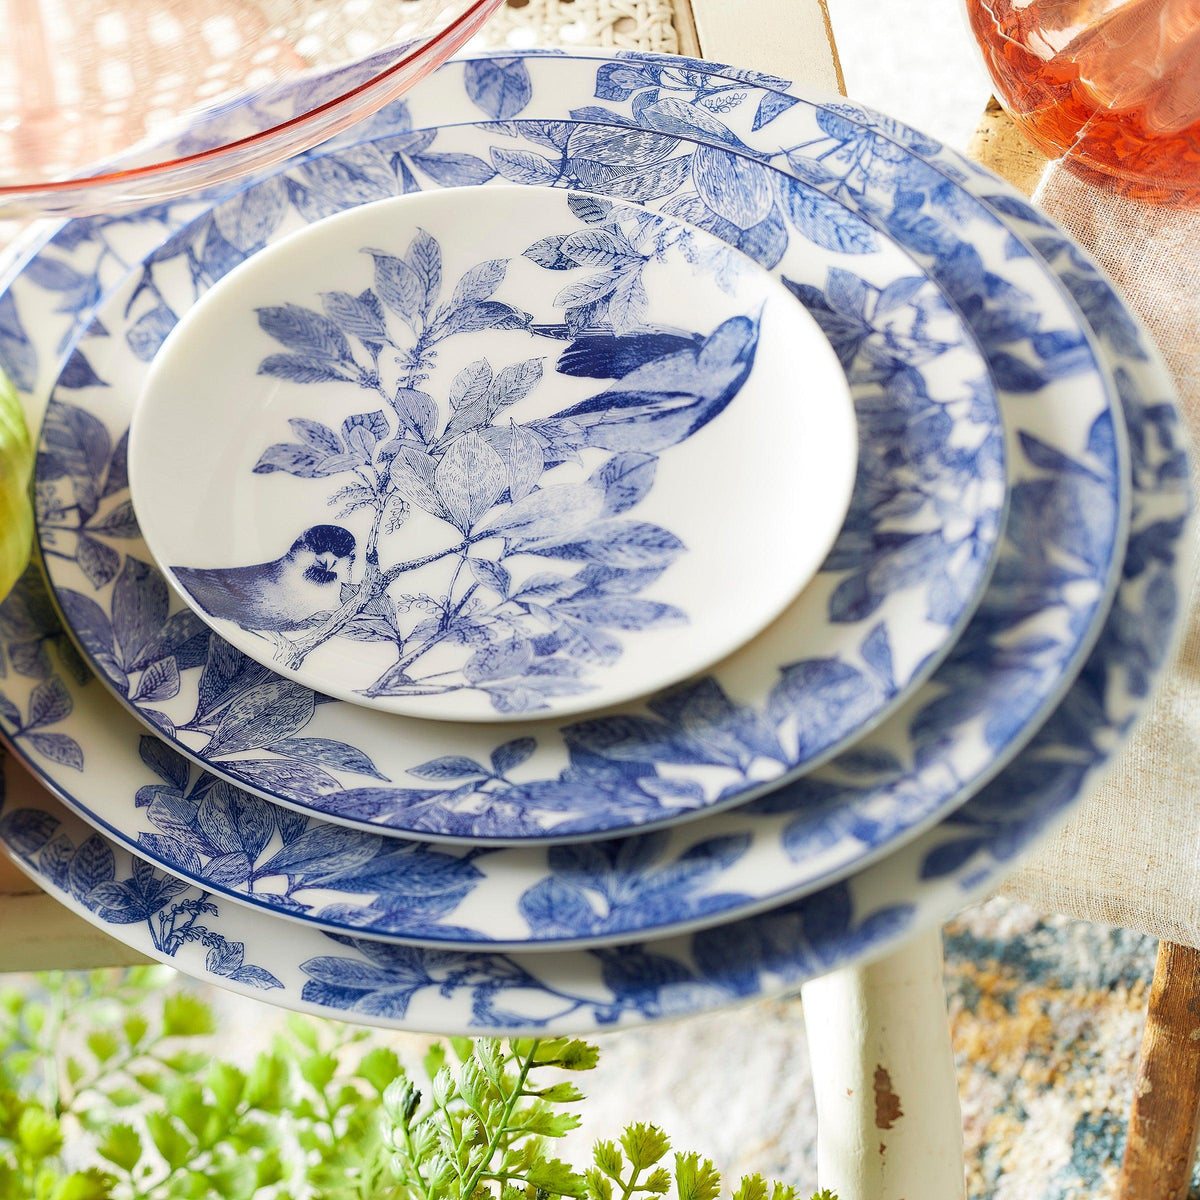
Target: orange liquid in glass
column 1110, row 87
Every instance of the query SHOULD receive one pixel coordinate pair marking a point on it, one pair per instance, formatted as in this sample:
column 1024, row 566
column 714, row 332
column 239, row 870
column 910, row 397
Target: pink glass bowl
column 106, row 104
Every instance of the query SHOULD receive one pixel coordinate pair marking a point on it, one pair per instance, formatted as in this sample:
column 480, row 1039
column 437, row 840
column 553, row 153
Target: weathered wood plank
column 39, row 934
column 1164, row 1125
column 999, row 145
column 793, row 39
column 13, row 883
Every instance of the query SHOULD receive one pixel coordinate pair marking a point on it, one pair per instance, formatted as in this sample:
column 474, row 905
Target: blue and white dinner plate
column 655, row 895
column 902, row 578
column 565, row 991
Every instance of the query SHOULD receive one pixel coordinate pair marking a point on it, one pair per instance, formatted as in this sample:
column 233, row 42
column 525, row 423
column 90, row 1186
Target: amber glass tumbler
column 1111, row 88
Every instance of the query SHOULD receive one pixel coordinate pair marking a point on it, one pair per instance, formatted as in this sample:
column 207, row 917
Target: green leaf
column 268, row 1085
column 227, row 1085
column 379, row 1067
column 135, row 1028
column 752, row 1187
column 462, row 1047
column 560, row 1093
column 187, row 1062
column 186, row 1015
column 443, row 1087
column 473, row 1084
column 21, row 1062
column 608, row 1159
column 190, row 1185
column 435, row 1059
column 154, row 1082
column 269, row 1168
column 92, row 1184
column 489, row 1055
column 658, row 1182
column 781, row 1191
column 645, row 1145
column 571, row 1054
column 234, row 1179
column 400, row 1100
column 38, row 1133
column 186, row 1101
column 598, row 1186
column 556, row 1177
column 696, row 1178
column 169, row 1139
column 74, row 1069
column 318, row 1069
column 104, row 1044
column 543, row 1123
column 123, row 1096
column 304, row 1031
column 95, row 1120
column 121, row 1145
column 251, row 1132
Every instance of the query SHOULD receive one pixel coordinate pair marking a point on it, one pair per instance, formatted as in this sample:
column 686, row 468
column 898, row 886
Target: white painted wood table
column 889, row 1120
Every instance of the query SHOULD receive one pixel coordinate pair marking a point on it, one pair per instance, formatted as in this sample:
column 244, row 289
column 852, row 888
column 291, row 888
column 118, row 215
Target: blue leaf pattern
column 481, row 478
column 1047, row 345
column 627, row 552
column 781, row 948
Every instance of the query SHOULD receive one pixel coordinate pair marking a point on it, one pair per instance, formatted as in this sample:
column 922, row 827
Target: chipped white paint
column 888, row 1120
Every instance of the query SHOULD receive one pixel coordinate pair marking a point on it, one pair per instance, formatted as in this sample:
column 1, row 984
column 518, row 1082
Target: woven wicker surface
column 625, row 24
column 84, row 81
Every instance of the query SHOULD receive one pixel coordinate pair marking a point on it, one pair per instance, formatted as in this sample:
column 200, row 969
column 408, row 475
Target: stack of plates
column 702, row 552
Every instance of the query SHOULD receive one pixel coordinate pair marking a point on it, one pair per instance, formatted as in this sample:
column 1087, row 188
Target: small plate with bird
column 598, row 448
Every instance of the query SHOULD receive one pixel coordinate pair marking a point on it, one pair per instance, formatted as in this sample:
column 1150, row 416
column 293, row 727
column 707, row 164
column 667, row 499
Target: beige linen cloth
column 1131, row 854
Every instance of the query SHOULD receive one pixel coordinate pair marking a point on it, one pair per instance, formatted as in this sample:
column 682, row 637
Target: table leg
column 1164, row 1126
column 889, row 1126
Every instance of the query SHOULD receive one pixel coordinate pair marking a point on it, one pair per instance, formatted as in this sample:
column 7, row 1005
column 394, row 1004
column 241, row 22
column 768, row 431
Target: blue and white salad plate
column 862, row 820
column 493, row 452
column 902, row 578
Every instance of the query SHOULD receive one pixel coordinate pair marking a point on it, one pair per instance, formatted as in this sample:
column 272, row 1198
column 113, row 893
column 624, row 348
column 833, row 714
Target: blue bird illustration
column 599, row 352
column 281, row 595
column 666, row 397
column 614, row 355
